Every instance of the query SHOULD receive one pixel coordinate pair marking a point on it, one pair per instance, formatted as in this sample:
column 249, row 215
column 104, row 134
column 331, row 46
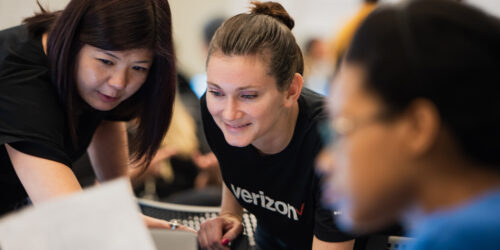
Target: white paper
column 102, row 217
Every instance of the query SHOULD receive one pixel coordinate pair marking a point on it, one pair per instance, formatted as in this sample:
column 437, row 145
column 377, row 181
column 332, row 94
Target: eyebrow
column 111, row 54
column 240, row 88
column 117, row 58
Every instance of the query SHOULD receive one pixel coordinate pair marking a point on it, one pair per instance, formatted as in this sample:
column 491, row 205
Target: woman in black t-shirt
column 68, row 80
column 261, row 125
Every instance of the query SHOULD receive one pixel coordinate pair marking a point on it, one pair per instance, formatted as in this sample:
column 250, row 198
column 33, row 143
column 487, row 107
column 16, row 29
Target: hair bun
column 274, row 10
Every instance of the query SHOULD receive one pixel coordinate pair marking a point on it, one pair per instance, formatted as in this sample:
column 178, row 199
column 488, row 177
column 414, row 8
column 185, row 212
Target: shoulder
column 27, row 96
column 312, row 113
column 459, row 236
column 475, row 226
column 11, row 38
column 18, row 42
column 312, row 105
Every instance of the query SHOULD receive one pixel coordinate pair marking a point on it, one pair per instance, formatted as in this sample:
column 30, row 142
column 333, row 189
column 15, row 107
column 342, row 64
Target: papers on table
column 102, row 217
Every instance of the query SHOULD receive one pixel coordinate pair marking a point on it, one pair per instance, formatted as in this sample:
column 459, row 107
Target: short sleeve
column 31, row 118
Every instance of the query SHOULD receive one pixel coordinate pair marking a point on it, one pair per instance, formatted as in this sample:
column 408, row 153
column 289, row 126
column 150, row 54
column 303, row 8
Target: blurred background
column 314, row 18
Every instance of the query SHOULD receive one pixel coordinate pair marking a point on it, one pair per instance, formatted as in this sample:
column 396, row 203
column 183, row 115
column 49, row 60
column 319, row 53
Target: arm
column 108, row 150
column 230, row 206
column 343, row 245
column 226, row 226
column 41, row 178
column 138, row 176
column 108, row 153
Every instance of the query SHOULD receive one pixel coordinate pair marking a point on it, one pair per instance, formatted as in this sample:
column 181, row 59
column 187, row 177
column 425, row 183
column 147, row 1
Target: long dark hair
column 115, row 25
column 444, row 51
column 265, row 31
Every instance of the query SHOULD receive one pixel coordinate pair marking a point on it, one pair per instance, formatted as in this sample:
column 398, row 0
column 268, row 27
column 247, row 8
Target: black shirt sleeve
column 31, row 118
column 31, row 123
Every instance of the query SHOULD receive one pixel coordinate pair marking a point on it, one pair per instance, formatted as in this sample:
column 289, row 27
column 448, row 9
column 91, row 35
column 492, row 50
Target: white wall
column 13, row 11
column 313, row 18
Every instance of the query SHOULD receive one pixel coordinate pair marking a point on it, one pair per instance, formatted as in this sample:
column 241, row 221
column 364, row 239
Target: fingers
column 205, row 161
column 163, row 224
column 232, row 231
column 210, row 234
column 186, row 228
column 155, row 223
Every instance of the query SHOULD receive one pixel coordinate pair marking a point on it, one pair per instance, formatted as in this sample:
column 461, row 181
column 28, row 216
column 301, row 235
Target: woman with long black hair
column 68, row 81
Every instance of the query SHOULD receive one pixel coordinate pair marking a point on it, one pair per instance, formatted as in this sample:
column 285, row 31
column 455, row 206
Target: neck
column 281, row 135
column 44, row 42
column 455, row 185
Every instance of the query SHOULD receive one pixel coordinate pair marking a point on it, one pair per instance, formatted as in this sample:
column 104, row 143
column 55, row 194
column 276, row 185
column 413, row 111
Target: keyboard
column 193, row 216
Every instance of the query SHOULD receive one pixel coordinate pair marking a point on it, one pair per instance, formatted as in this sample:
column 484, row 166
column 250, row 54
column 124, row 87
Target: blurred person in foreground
column 415, row 125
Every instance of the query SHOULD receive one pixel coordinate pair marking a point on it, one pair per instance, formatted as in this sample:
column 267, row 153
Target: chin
column 235, row 142
column 370, row 221
column 102, row 106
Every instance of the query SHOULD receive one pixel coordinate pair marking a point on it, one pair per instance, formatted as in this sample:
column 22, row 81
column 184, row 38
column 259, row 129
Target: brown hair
column 265, row 31
column 115, row 25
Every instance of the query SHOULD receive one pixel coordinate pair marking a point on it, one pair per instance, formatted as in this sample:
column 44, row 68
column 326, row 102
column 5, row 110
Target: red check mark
column 301, row 209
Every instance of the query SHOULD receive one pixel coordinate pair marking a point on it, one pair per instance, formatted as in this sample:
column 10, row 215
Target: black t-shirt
column 281, row 190
column 32, row 119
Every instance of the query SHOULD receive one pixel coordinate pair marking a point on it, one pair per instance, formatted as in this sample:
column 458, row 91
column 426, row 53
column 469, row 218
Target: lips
column 236, row 127
column 107, row 98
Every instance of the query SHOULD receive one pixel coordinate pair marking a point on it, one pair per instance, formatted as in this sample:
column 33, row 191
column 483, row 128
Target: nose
column 118, row 79
column 231, row 111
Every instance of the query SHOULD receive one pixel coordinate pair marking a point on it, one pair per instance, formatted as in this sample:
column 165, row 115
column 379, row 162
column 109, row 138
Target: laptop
column 166, row 239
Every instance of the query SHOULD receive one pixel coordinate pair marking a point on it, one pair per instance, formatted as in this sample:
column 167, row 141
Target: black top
column 281, row 190
column 31, row 117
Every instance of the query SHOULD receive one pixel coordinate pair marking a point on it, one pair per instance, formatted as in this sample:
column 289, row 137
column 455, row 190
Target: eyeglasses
column 331, row 131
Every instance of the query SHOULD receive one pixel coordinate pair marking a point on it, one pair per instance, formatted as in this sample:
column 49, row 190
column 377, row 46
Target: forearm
column 108, row 150
column 230, row 206
column 41, row 178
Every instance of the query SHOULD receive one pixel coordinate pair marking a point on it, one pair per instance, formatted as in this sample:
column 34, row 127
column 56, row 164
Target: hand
column 163, row 224
column 205, row 161
column 163, row 153
column 214, row 231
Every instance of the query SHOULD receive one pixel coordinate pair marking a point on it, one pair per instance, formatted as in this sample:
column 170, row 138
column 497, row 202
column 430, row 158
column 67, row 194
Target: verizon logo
column 260, row 199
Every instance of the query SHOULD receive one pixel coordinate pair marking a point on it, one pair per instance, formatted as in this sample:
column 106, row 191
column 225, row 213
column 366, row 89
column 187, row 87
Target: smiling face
column 245, row 101
column 107, row 78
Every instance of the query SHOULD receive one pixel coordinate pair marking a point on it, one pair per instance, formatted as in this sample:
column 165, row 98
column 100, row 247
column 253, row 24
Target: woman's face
column 106, row 78
column 243, row 99
column 369, row 178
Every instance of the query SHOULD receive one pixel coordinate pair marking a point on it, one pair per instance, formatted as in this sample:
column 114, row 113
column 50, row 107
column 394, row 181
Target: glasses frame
column 333, row 130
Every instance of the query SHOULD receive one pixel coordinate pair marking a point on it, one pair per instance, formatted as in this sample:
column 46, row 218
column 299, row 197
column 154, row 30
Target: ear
column 293, row 92
column 424, row 124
